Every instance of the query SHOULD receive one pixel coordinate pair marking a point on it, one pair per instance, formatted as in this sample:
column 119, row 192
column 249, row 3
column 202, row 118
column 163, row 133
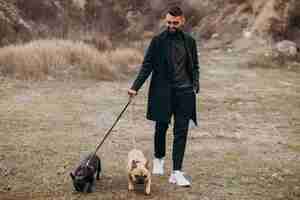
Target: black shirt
column 178, row 58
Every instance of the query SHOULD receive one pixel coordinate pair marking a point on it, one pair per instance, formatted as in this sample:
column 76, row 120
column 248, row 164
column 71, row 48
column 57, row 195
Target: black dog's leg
column 93, row 186
column 87, row 187
column 98, row 169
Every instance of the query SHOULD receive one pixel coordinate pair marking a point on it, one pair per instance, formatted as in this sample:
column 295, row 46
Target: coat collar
column 164, row 35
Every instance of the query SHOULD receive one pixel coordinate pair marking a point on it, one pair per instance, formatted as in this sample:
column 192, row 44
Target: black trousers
column 180, row 130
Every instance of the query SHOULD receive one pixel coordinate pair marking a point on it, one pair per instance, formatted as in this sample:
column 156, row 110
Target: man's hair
column 175, row 11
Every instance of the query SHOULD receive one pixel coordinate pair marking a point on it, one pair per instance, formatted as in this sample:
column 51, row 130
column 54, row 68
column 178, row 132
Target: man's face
column 174, row 23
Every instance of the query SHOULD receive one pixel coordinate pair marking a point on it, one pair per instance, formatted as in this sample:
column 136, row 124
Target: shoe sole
column 175, row 183
column 160, row 174
column 180, row 185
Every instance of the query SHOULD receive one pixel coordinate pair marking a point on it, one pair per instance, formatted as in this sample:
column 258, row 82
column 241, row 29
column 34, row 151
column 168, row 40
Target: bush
column 273, row 59
column 61, row 59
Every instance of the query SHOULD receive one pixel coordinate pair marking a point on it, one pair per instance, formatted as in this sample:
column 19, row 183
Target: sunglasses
column 173, row 22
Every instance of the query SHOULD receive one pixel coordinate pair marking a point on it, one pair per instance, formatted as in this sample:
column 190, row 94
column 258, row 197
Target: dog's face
column 78, row 182
column 139, row 172
column 81, row 177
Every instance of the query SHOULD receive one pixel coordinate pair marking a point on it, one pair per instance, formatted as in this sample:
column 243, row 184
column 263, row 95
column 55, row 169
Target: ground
column 246, row 147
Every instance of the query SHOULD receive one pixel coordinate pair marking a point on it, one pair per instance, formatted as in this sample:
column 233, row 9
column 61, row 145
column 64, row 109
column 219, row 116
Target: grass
column 294, row 147
column 232, row 157
column 274, row 60
column 61, row 59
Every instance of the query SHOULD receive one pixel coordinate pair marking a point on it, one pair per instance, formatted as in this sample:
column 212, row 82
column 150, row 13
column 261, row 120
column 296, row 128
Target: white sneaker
column 158, row 166
column 178, row 178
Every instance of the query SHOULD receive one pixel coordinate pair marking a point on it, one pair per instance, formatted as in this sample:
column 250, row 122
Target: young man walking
column 172, row 59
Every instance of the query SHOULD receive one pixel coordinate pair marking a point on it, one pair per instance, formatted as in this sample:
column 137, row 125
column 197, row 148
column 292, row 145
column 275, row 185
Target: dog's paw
column 147, row 191
column 130, row 187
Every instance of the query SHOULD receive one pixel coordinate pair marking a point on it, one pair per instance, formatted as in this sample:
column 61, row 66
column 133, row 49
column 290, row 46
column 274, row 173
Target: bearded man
column 172, row 59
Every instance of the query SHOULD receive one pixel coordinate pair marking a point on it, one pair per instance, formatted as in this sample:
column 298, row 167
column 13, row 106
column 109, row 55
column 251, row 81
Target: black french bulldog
column 84, row 175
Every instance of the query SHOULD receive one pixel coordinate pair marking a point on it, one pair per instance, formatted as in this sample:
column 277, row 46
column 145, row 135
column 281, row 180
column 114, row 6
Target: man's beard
column 173, row 30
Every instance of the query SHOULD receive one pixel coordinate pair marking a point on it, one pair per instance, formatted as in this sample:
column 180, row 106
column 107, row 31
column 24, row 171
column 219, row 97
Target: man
column 173, row 61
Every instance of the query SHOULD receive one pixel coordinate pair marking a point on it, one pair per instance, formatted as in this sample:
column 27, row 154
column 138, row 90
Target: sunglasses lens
column 173, row 22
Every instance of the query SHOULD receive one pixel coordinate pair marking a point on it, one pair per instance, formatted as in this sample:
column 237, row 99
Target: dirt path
column 246, row 147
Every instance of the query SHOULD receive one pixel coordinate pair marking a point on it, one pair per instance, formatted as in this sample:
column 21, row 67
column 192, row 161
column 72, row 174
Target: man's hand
column 196, row 88
column 132, row 93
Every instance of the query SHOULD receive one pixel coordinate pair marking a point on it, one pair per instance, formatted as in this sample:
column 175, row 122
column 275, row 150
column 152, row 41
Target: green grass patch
column 232, row 157
column 294, row 147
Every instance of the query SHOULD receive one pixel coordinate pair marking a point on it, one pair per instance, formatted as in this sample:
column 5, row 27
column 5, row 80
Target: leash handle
column 109, row 131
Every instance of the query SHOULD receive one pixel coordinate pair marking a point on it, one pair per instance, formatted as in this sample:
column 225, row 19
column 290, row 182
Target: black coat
column 157, row 62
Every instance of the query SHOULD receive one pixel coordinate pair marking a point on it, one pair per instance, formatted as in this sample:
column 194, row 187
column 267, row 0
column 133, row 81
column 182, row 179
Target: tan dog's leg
column 148, row 186
column 130, row 184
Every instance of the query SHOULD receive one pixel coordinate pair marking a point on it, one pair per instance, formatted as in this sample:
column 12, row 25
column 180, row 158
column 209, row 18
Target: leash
column 132, row 121
column 109, row 131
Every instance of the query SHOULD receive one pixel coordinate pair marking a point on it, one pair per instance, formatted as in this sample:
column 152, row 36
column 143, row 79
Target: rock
column 215, row 35
column 287, row 48
column 247, row 34
column 229, row 50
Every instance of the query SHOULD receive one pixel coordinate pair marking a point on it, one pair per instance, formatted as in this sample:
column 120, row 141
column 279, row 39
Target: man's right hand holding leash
column 132, row 93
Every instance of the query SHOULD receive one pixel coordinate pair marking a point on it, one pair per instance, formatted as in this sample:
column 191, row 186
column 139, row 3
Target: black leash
column 109, row 131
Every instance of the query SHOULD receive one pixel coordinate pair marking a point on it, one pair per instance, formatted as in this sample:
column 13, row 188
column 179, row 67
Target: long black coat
column 156, row 60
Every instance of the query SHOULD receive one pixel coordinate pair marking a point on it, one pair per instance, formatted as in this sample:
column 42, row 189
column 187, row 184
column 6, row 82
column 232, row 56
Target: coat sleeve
column 146, row 68
column 196, row 67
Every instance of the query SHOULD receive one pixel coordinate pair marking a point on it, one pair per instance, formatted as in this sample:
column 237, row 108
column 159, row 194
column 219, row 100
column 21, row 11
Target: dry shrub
column 59, row 59
column 238, row 1
column 13, row 27
column 194, row 11
column 263, row 61
column 8, row 22
column 195, row 8
column 40, row 10
column 80, row 4
column 102, row 16
column 125, row 59
column 99, row 40
column 274, row 60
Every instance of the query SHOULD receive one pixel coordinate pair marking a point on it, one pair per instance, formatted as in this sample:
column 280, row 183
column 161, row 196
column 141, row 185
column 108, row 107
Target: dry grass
column 120, row 58
column 97, row 39
column 60, row 59
column 263, row 61
column 79, row 3
column 234, row 154
column 270, row 58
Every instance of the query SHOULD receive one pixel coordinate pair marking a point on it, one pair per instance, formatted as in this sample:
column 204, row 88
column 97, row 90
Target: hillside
column 132, row 19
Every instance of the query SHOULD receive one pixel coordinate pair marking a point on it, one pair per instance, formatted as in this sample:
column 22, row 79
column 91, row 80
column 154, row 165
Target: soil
column 246, row 147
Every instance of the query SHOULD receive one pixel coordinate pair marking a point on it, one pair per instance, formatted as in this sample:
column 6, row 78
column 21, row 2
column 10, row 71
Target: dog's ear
column 147, row 165
column 133, row 164
column 72, row 176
